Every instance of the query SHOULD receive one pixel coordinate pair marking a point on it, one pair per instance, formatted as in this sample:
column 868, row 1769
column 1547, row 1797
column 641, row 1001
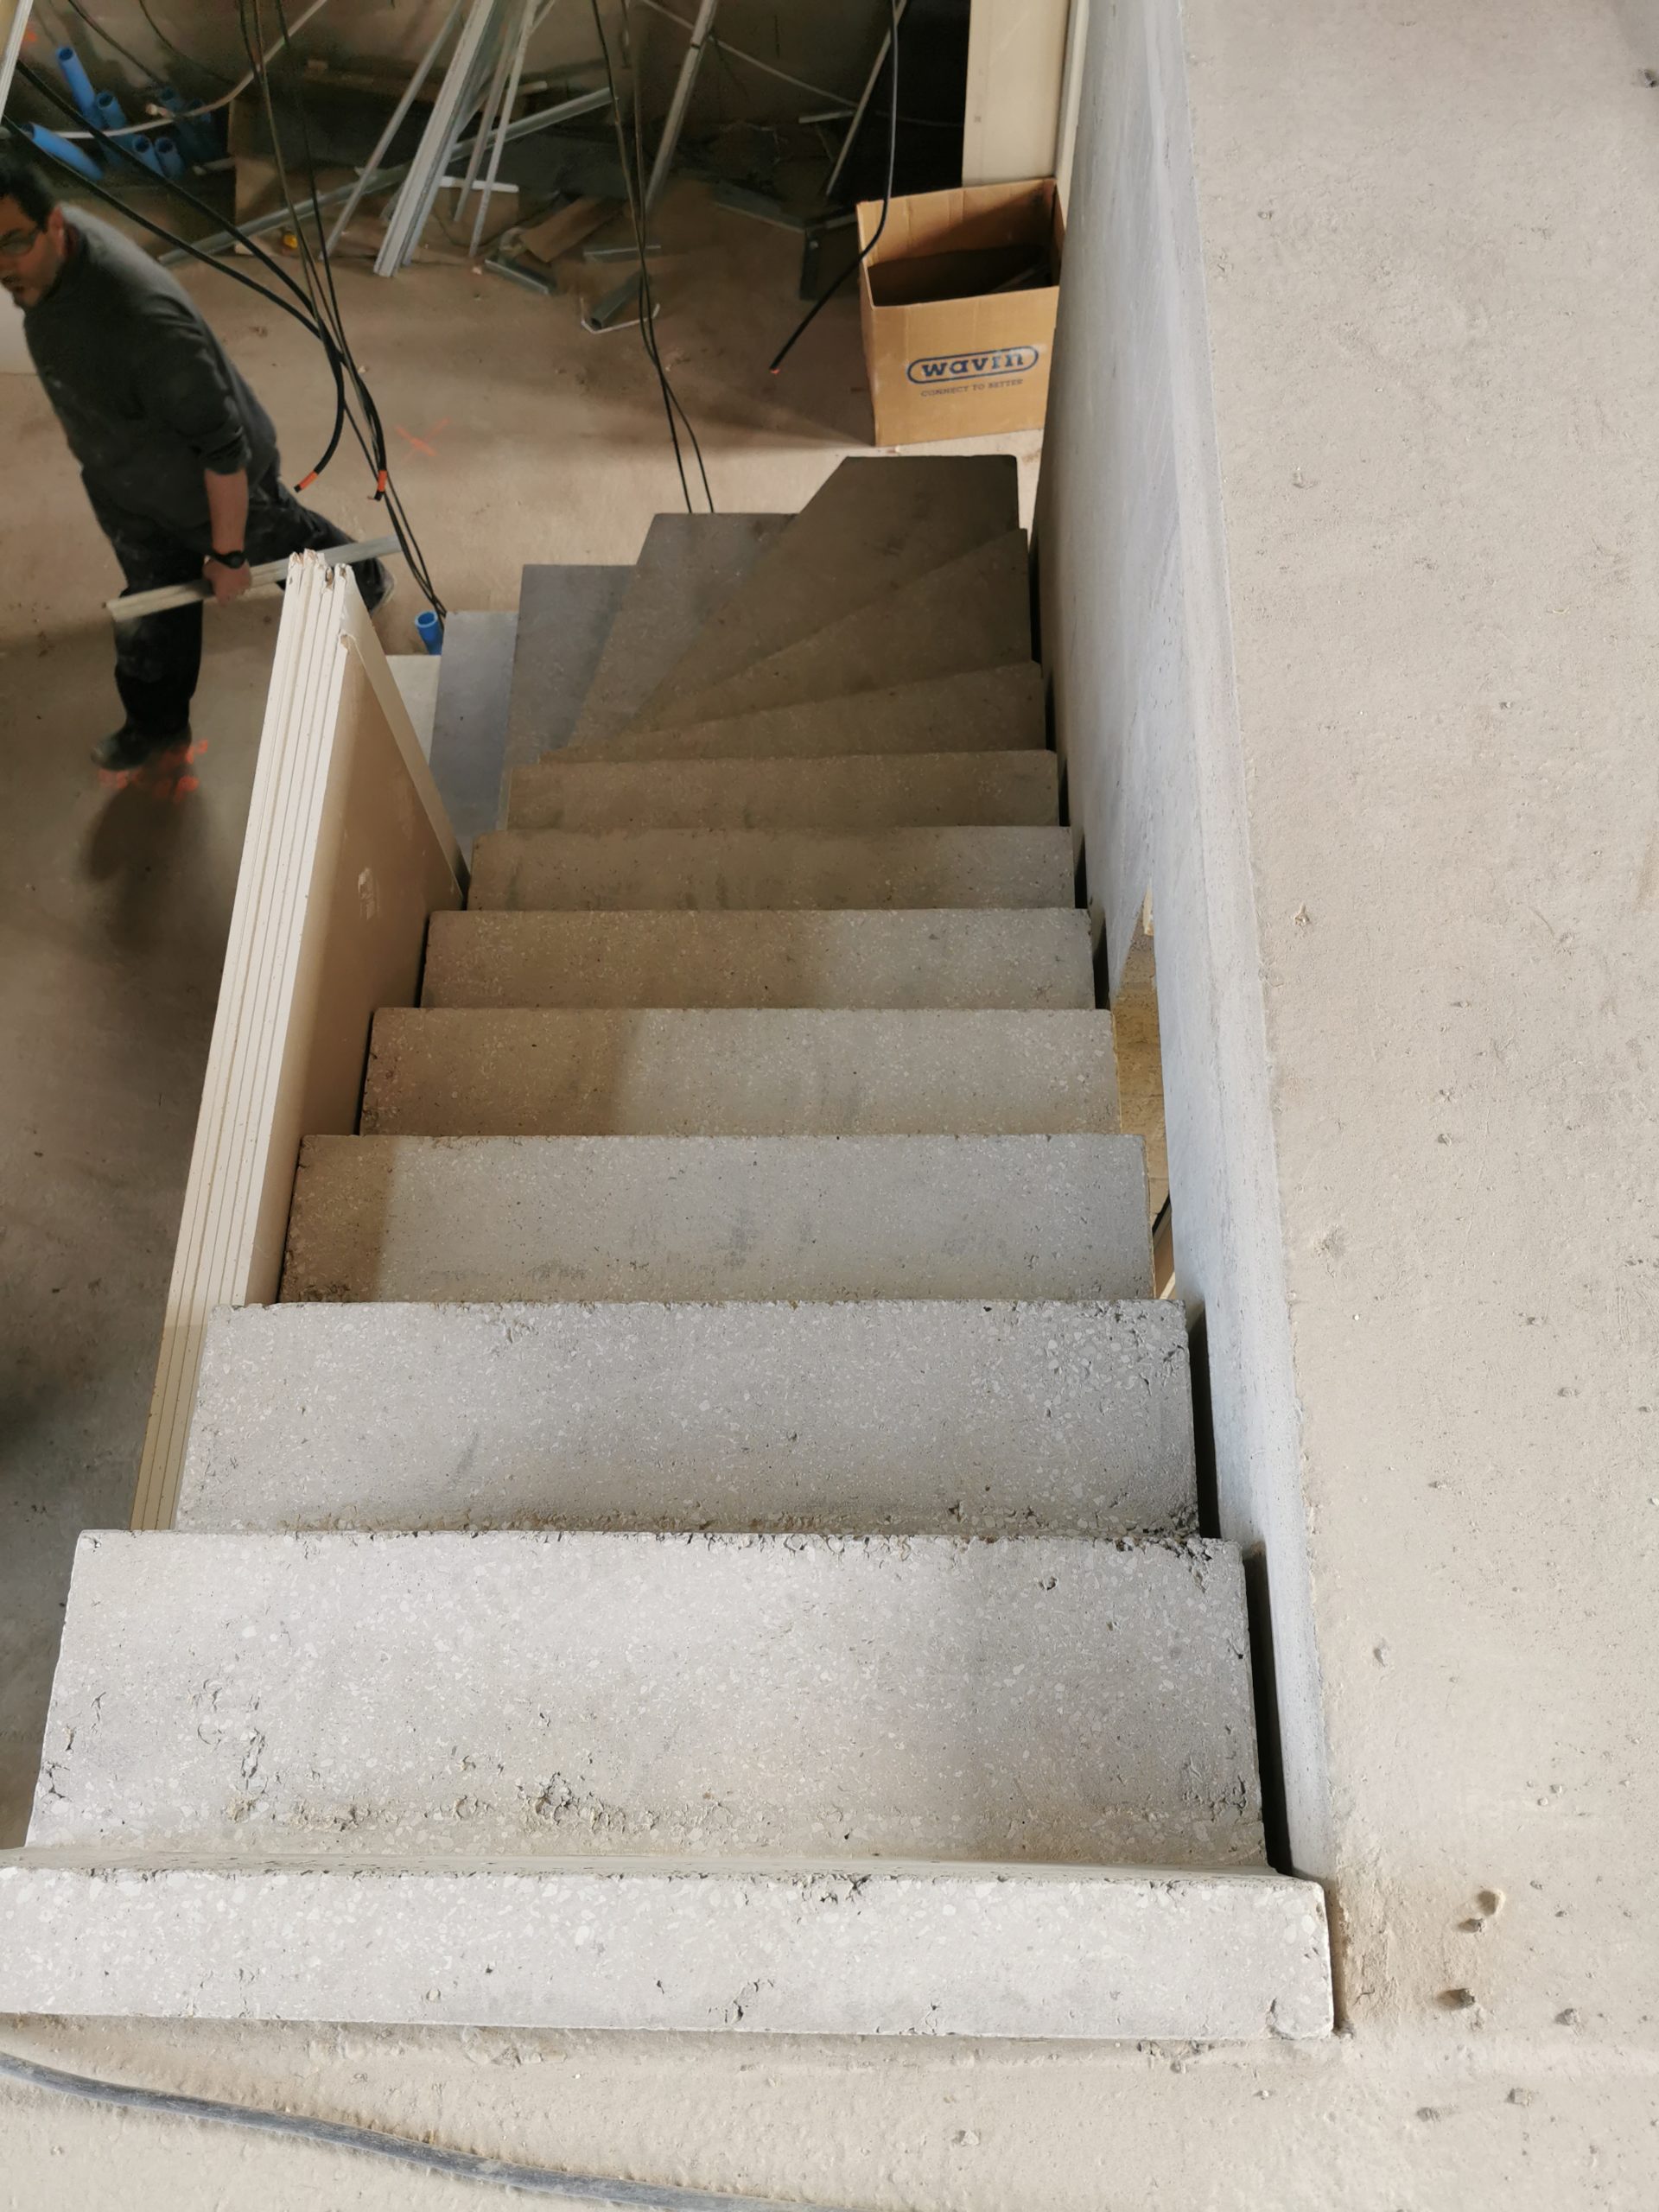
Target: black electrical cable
column 319, row 276
column 634, row 190
column 392, row 497
column 173, row 47
column 818, row 305
column 107, row 38
column 225, row 269
column 633, row 181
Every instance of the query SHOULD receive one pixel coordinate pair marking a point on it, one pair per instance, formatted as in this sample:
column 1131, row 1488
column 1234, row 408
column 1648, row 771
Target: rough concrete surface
column 458, row 1219
column 972, row 612
column 982, row 709
column 413, row 1697
column 901, row 1418
column 876, row 1948
column 665, row 868
column 679, row 1071
column 565, row 615
column 1017, row 957
column 867, row 532
column 689, row 566
column 850, row 792
column 469, row 728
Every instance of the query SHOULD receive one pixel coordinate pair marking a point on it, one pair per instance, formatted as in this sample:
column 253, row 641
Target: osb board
column 1139, row 1063
column 346, row 853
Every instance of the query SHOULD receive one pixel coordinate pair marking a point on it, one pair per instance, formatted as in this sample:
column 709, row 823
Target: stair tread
column 851, row 793
column 870, row 527
column 565, row 612
column 962, row 956
column 970, row 612
column 891, row 1418
column 761, row 869
column 460, row 1219
column 689, row 565
column 988, row 709
column 1043, row 1698
column 767, row 1071
column 871, row 1947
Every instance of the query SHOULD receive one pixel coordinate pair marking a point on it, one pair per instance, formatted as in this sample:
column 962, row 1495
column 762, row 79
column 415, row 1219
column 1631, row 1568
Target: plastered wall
column 1349, row 563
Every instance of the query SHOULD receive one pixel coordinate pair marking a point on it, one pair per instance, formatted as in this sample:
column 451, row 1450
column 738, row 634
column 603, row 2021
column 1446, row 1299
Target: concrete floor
column 517, row 438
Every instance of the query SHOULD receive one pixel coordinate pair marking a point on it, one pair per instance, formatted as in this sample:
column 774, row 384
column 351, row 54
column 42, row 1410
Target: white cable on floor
column 461, row 2165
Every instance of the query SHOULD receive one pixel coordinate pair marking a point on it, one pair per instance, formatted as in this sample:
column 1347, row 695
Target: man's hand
column 228, row 583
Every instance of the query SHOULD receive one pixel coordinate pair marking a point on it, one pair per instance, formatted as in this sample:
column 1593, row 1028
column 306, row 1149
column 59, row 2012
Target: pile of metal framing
column 479, row 87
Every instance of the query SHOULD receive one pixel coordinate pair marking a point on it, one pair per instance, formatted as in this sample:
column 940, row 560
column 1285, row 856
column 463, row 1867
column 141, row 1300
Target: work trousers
column 158, row 657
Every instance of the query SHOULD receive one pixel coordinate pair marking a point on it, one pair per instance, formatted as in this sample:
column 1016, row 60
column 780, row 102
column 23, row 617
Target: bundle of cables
column 632, row 157
column 312, row 300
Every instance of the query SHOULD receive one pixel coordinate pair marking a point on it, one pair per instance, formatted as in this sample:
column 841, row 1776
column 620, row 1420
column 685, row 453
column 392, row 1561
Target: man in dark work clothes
column 178, row 457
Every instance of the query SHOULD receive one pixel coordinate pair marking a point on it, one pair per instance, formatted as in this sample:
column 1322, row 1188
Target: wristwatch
column 230, row 560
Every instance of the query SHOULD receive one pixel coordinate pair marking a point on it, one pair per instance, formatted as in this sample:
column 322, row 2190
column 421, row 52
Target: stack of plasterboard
column 347, row 840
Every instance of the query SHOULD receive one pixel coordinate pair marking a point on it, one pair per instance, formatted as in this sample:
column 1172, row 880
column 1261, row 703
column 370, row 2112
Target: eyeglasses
column 16, row 243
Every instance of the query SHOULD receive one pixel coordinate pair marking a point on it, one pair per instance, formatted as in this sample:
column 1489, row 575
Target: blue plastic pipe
column 195, row 138
column 429, row 630
column 168, row 157
column 61, row 150
column 109, row 114
column 141, row 147
column 79, row 84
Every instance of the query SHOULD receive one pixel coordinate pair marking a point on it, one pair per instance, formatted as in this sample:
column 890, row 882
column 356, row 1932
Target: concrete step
column 469, row 727
column 761, row 1072
column 981, row 710
column 1023, row 957
column 688, row 566
column 565, row 615
column 849, row 1949
column 375, row 1697
column 873, row 526
column 889, row 1418
column 447, row 1220
column 850, row 792
column 657, row 870
column 973, row 612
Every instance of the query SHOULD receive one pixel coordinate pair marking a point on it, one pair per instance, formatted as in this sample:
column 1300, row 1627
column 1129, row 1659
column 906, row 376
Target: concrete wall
column 1137, row 636
column 1348, row 553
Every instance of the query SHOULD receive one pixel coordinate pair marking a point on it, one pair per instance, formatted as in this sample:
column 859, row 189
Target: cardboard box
column 958, row 301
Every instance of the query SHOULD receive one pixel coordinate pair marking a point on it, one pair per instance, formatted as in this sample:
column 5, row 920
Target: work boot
column 127, row 748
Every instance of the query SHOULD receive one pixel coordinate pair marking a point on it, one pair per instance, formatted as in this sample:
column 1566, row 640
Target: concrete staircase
column 709, row 1538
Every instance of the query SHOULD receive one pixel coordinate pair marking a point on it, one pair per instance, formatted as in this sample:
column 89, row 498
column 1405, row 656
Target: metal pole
column 492, row 114
column 13, row 47
column 566, row 111
column 472, row 103
column 685, row 85
column 137, row 604
column 508, row 101
column 868, row 94
column 355, row 194
column 414, row 203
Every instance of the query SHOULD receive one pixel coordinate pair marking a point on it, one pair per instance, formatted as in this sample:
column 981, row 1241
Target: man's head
column 34, row 242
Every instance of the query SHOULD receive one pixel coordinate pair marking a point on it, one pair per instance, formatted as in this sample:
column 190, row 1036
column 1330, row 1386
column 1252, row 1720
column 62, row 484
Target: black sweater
column 145, row 393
